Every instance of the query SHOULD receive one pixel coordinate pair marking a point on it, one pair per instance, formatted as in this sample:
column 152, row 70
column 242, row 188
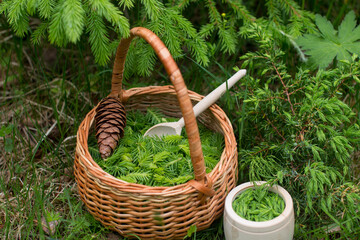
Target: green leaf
column 9, row 145
column 327, row 44
column 325, row 27
column 6, row 130
column 346, row 28
column 191, row 230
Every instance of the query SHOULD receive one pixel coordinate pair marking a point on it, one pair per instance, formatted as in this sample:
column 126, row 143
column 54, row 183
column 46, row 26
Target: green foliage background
column 296, row 114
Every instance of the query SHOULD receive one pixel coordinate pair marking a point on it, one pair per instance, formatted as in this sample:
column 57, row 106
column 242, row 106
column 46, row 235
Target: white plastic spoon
column 174, row 128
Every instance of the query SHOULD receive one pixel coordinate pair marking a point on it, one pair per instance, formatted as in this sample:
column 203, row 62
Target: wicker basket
column 158, row 212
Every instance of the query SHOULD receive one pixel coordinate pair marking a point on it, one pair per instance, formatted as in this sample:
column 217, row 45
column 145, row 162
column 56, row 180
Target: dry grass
column 45, row 96
column 37, row 185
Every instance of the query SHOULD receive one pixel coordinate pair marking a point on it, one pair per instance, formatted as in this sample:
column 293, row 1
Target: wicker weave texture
column 157, row 212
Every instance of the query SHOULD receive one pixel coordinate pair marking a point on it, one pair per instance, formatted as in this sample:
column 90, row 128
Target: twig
column 49, row 108
column 275, row 128
column 337, row 88
column 28, row 58
column 262, row 150
column 293, row 9
column 296, row 90
column 271, row 98
column 7, row 38
column 69, row 138
column 44, row 136
column 41, row 87
column 285, row 87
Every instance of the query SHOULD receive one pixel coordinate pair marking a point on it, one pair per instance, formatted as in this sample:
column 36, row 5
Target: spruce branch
column 98, row 38
column 241, row 11
column 181, row 4
column 107, row 10
column 17, row 16
column 56, row 28
column 31, row 6
column 126, row 3
column 39, row 33
column 292, row 6
column 73, row 18
column 46, row 8
column 153, row 8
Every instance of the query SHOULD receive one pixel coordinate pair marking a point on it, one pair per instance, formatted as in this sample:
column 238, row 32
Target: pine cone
column 110, row 121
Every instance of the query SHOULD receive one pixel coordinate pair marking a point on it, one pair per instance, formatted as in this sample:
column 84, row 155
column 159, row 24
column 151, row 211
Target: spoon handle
column 212, row 97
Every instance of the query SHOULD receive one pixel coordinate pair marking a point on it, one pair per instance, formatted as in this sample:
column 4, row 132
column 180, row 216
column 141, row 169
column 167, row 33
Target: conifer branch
column 291, row 6
column 46, row 8
column 241, row 11
column 98, row 38
column 285, row 88
column 73, row 18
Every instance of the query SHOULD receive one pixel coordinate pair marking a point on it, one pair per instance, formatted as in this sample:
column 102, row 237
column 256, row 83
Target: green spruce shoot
column 156, row 161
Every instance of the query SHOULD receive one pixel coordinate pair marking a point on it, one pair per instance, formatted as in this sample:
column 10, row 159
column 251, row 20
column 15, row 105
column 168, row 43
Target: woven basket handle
column 180, row 89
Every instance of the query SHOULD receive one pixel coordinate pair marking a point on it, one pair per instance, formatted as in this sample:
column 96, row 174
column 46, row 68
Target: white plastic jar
column 279, row 228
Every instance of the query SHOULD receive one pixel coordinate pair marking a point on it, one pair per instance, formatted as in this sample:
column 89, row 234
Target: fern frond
column 175, row 181
column 98, row 38
column 73, row 18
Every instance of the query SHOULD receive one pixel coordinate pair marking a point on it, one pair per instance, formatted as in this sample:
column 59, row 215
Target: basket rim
column 107, row 180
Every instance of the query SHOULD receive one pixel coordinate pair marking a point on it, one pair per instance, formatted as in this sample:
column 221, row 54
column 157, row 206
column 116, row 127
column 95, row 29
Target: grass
column 37, row 184
column 44, row 95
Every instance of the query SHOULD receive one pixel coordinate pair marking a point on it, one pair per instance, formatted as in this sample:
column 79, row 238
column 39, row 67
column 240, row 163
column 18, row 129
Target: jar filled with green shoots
column 258, row 204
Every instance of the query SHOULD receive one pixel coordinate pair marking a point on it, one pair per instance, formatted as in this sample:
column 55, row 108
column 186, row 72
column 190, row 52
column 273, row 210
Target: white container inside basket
column 279, row 228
